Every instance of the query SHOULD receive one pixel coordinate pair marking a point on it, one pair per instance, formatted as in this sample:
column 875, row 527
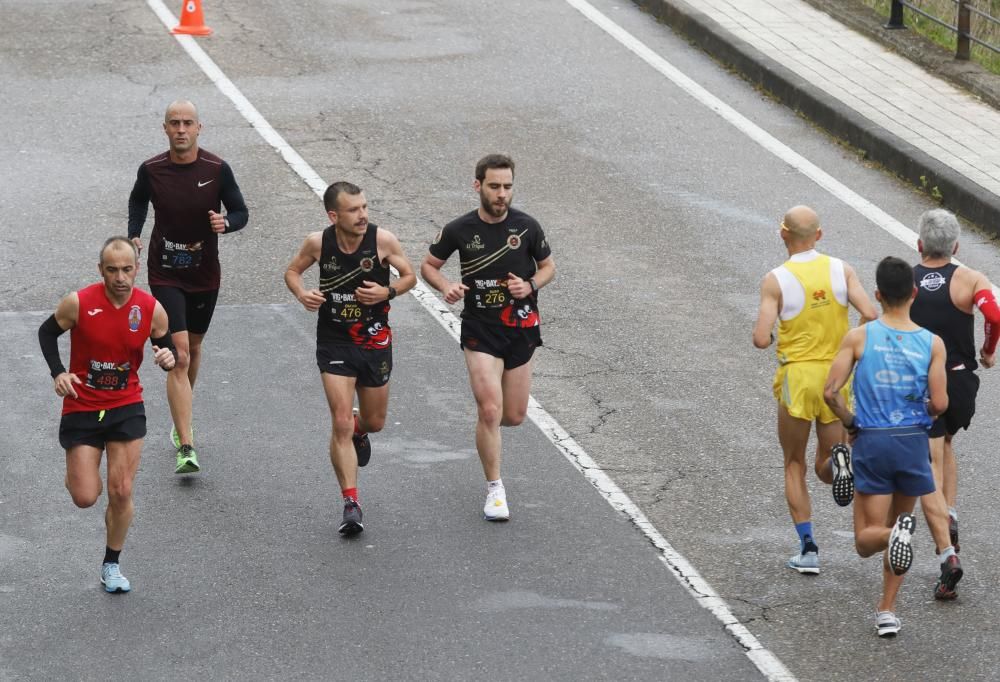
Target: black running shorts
column 98, row 428
column 963, row 386
column 513, row 345
column 372, row 368
column 187, row 311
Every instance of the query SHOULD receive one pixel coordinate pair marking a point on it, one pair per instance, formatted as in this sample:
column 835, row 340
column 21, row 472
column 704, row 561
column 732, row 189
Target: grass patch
column 947, row 11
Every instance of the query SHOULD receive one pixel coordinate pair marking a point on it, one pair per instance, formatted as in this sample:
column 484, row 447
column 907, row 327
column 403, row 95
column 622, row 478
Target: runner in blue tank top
column 899, row 387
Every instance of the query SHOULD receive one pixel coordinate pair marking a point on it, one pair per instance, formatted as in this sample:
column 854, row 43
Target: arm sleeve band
column 987, row 304
column 138, row 203
column 48, row 339
column 237, row 212
column 165, row 341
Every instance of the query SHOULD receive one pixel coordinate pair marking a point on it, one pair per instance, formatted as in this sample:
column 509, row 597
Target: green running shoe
column 187, row 460
column 175, row 438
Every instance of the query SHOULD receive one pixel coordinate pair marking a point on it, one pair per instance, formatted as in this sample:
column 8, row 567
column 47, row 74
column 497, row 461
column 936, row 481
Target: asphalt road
column 663, row 219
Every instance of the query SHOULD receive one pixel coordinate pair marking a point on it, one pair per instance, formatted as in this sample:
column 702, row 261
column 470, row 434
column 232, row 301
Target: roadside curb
column 959, row 194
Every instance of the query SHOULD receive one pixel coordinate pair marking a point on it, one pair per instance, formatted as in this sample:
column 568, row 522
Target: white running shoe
column 886, row 623
column 112, row 578
column 496, row 505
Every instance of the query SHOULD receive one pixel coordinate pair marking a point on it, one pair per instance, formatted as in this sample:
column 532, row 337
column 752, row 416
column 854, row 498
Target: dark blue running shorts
column 893, row 460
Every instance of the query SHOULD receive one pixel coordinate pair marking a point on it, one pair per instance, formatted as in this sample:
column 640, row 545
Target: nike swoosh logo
column 202, row 184
column 95, row 311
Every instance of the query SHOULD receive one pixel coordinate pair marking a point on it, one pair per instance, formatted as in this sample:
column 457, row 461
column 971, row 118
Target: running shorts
column 892, row 460
column 372, row 368
column 187, row 311
column 124, row 423
column 513, row 345
column 798, row 386
column 963, row 386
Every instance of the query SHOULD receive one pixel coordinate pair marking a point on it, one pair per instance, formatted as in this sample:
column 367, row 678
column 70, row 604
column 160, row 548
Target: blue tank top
column 890, row 380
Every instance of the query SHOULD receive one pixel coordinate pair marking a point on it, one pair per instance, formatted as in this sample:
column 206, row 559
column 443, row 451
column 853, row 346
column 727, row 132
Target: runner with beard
column 353, row 337
column 505, row 260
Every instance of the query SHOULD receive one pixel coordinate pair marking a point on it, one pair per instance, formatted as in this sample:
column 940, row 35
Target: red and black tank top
column 342, row 318
column 106, row 348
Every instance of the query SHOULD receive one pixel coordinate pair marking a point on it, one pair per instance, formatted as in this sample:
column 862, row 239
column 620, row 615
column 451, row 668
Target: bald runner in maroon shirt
column 188, row 188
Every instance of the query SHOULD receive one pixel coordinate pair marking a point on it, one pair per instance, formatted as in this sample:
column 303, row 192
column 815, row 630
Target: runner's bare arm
column 767, row 315
column 858, row 297
column 937, row 380
column 311, row 299
column 389, row 245
column 545, row 272
column 840, row 372
column 430, row 270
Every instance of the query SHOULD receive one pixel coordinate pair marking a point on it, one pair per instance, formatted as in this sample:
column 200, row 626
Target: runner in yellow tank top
column 808, row 296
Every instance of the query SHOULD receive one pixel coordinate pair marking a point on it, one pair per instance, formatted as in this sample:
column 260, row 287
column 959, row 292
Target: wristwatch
column 531, row 281
column 392, row 293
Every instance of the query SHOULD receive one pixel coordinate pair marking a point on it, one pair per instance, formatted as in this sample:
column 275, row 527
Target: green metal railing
column 962, row 26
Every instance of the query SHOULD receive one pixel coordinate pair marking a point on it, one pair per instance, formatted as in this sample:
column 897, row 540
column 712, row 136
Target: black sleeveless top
column 342, row 318
column 934, row 310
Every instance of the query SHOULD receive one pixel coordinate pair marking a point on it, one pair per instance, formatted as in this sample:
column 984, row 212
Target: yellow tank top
column 815, row 332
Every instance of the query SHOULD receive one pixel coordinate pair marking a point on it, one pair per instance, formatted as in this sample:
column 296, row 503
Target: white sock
column 490, row 485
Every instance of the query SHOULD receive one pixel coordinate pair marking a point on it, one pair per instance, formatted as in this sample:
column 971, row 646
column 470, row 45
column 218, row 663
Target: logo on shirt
column 367, row 264
column 933, row 281
column 207, row 182
column 819, row 295
column 513, row 241
column 134, row 318
column 331, row 266
column 438, row 237
column 95, row 311
column 476, row 244
column 887, row 376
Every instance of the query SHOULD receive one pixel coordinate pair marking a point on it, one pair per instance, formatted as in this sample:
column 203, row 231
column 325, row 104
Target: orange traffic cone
column 192, row 20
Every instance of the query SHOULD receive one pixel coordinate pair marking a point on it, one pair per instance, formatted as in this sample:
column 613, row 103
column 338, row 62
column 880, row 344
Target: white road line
column 748, row 128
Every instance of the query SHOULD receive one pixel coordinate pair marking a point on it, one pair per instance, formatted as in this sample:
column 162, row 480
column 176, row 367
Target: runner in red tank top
column 102, row 397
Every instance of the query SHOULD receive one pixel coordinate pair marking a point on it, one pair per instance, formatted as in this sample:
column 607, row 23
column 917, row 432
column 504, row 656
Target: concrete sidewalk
column 919, row 126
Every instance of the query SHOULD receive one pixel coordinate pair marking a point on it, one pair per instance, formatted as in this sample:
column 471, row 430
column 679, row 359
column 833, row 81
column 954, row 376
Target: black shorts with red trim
column 514, row 345
column 371, row 367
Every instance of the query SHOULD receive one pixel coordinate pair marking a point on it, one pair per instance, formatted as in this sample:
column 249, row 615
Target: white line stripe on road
column 748, row 127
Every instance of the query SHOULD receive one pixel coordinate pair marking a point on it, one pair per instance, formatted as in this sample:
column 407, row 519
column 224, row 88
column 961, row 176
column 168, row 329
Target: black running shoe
column 900, row 543
column 951, row 573
column 843, row 475
column 953, row 531
column 351, row 525
column 362, row 446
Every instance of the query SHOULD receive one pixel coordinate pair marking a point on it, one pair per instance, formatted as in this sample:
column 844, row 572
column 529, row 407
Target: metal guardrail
column 962, row 27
